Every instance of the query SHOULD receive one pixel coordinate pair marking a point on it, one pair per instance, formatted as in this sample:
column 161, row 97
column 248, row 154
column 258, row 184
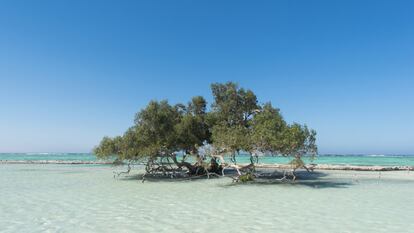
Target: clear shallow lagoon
column 79, row 198
column 381, row 160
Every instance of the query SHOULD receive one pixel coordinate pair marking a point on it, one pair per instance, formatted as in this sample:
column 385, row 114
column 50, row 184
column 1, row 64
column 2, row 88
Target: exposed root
column 117, row 174
column 169, row 167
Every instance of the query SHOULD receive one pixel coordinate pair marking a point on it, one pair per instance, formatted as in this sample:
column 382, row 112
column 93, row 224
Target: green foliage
column 107, row 148
column 192, row 130
column 131, row 145
column 246, row 177
column 197, row 106
column 155, row 126
column 235, row 123
column 230, row 139
column 268, row 127
column 126, row 147
column 233, row 109
column 299, row 140
column 233, row 105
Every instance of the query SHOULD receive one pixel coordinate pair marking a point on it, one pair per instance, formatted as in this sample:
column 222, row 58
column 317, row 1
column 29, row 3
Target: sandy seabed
column 86, row 198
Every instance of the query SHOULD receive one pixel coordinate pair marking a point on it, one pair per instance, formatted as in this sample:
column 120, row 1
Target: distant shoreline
column 264, row 166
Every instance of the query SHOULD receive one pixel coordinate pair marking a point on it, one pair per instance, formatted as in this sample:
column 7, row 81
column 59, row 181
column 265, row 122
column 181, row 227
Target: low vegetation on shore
column 192, row 140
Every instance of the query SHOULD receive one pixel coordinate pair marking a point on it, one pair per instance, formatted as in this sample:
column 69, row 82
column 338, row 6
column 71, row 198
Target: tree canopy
column 236, row 122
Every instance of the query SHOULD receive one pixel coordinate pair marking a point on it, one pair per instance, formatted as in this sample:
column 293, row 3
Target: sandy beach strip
column 265, row 166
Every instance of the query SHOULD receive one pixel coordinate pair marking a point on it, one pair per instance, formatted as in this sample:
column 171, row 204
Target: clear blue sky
column 74, row 71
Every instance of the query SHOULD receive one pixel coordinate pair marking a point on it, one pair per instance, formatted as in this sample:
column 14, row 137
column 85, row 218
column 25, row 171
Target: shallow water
column 78, row 198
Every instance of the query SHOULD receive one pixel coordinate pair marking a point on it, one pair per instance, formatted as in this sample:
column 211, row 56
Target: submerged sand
column 86, row 198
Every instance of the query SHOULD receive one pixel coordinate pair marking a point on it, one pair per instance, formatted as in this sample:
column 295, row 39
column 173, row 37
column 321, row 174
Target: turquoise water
column 48, row 156
column 78, row 198
column 382, row 160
